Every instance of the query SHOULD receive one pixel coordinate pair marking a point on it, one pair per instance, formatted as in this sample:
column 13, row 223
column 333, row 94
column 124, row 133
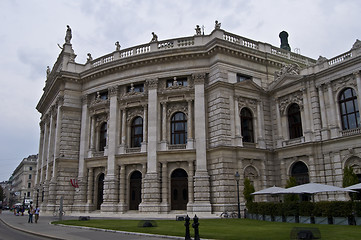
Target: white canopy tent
column 268, row 191
column 354, row 187
column 312, row 188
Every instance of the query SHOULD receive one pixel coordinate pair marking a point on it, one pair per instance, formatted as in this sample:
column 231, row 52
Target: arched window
column 294, row 121
column 179, row 128
column 247, row 125
column 137, row 132
column 350, row 114
column 300, row 173
column 103, row 136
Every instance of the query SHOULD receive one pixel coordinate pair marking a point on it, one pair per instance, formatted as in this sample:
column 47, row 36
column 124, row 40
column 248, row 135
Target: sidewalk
column 45, row 229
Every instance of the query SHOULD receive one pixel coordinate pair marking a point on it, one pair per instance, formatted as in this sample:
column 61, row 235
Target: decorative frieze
column 152, row 83
column 347, row 81
column 247, row 102
column 285, row 101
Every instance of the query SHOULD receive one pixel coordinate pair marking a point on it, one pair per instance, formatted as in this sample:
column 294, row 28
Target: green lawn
column 227, row 229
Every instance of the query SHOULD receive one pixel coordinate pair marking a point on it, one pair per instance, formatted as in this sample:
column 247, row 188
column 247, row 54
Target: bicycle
column 57, row 213
column 227, row 214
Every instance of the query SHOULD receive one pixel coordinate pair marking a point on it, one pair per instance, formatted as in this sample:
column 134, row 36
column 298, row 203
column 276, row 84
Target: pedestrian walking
column 37, row 211
column 31, row 212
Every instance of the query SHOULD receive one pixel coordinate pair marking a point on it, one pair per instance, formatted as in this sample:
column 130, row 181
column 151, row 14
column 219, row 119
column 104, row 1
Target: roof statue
column 90, row 58
column 154, row 38
column 68, row 34
column 117, row 46
column 284, row 41
column 47, row 71
column 198, row 30
column 217, row 25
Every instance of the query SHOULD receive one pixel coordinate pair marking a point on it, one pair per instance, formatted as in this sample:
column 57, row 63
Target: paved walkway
column 45, row 229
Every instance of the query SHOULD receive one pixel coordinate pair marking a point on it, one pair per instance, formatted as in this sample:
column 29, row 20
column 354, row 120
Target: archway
column 300, row 172
column 135, row 190
column 100, row 190
column 179, row 189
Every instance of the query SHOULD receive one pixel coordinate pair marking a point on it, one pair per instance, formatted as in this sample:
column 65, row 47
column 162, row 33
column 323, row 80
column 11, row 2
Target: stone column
column 40, row 156
column 358, row 82
column 165, row 191
column 151, row 189
column 201, row 178
column 190, row 140
column 307, row 131
column 90, row 190
column 122, row 206
column 111, row 181
column 190, row 185
column 332, row 117
column 92, row 136
column 80, row 196
column 261, row 138
column 124, row 131
column 279, row 123
column 163, row 143
column 324, row 130
column 237, row 123
column 145, row 126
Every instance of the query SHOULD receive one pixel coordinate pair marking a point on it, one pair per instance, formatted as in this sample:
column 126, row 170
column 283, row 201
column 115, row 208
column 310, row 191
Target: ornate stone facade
column 163, row 127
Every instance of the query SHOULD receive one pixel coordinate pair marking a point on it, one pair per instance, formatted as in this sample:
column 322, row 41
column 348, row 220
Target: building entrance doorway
column 135, row 190
column 100, row 190
column 179, row 189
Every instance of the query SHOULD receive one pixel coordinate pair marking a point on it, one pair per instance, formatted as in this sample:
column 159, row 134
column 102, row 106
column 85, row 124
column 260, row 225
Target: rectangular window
column 241, row 77
column 31, row 168
column 29, row 176
column 28, row 194
column 29, row 185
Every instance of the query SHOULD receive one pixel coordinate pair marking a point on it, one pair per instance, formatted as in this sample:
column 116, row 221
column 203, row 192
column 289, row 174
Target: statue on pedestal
column 154, row 38
column 68, row 34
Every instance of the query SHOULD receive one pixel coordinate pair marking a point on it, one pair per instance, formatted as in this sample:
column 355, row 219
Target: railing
column 132, row 150
column 190, row 41
column 340, row 58
column 177, row 146
column 350, row 132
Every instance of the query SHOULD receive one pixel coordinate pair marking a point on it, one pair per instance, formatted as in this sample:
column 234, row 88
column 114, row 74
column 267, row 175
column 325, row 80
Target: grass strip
column 224, row 229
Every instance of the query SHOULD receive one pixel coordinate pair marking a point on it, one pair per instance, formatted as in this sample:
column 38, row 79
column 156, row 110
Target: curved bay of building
column 164, row 126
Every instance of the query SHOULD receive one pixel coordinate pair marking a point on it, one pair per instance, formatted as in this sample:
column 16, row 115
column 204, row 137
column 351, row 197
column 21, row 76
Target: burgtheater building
column 163, row 127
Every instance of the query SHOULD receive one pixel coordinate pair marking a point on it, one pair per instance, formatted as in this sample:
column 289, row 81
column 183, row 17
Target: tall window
column 137, row 132
column 294, row 121
column 350, row 114
column 179, row 128
column 300, row 173
column 103, row 136
column 247, row 125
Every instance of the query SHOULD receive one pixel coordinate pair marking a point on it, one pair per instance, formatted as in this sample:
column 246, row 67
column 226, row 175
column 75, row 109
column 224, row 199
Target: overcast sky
column 31, row 30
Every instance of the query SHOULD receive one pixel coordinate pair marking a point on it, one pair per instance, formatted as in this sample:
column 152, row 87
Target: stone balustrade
column 191, row 42
column 340, row 58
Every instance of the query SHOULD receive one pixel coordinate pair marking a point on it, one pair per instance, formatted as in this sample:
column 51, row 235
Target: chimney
column 284, row 41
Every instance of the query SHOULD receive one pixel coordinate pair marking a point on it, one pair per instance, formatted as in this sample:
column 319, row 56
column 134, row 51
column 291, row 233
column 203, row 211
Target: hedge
column 317, row 209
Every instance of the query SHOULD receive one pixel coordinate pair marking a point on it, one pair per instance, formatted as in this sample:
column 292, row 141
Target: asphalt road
column 7, row 233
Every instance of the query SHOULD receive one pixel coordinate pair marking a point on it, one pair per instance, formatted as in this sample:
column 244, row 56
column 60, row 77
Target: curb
column 30, row 232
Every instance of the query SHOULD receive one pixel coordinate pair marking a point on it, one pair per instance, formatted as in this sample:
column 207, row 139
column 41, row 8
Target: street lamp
column 22, row 212
column 237, row 177
column 37, row 197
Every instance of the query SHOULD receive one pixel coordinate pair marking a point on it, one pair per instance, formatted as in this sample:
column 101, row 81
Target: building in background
column 164, row 126
column 22, row 181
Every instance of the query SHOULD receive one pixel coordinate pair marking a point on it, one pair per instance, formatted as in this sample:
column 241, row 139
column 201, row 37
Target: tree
column 1, row 194
column 248, row 189
column 349, row 178
column 291, row 182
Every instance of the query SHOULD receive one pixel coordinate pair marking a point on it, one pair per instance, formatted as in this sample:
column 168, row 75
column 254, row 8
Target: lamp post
column 37, row 197
column 237, row 177
column 22, row 211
